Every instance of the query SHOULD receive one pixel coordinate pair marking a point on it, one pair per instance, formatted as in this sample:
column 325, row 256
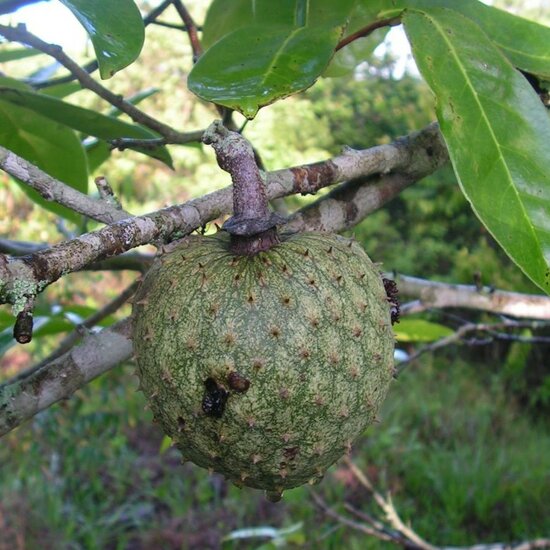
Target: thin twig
column 464, row 330
column 387, row 507
column 124, row 143
column 93, row 65
column 190, row 27
column 377, row 524
column 403, row 534
column 432, row 294
column 365, row 31
column 171, row 26
column 54, row 190
column 20, row 34
column 346, row 521
column 97, row 353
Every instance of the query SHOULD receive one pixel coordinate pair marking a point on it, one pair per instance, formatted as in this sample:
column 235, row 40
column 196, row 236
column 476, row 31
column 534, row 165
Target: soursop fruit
column 264, row 368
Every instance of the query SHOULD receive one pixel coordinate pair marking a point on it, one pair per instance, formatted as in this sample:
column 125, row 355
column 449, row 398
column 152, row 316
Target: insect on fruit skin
column 237, row 382
column 213, row 402
column 285, row 375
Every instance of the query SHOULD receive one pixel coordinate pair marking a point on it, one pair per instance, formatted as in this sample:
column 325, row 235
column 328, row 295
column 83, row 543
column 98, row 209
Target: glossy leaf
column 420, row 330
column 225, row 17
column 84, row 120
column 286, row 60
column 115, row 28
column 524, row 42
column 497, row 132
column 292, row 41
column 49, row 145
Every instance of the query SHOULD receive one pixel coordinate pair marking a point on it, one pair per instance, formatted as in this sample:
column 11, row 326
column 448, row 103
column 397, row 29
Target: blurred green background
column 464, row 443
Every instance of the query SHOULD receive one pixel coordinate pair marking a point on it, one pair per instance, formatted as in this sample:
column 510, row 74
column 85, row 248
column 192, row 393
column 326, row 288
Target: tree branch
column 367, row 30
column 420, row 154
column 367, row 190
column 82, row 330
column 190, row 28
column 467, row 328
column 132, row 261
column 432, row 294
column 417, row 154
column 97, row 353
column 20, row 34
column 54, row 190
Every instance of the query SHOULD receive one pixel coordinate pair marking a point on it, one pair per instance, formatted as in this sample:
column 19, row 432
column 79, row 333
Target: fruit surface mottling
column 264, row 368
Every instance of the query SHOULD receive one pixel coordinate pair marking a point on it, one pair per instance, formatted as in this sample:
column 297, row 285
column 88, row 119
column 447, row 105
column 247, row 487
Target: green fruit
column 264, row 368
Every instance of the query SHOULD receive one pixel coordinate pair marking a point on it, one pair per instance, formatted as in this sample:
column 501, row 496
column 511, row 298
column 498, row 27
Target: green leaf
column 84, row 120
column 419, row 330
column 292, row 41
column 286, row 60
column 115, row 28
column 7, row 340
column 99, row 151
column 225, row 17
column 52, row 147
column 497, row 132
column 19, row 53
column 6, row 319
column 524, row 42
column 62, row 90
column 53, row 325
column 265, row 532
column 165, row 444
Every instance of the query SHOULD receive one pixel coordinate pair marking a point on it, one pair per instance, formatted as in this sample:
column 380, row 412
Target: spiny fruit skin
column 264, row 368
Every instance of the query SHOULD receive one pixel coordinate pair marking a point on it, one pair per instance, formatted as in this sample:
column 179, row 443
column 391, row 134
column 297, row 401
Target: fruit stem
column 252, row 226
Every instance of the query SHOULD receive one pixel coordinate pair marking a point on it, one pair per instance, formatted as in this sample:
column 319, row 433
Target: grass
column 463, row 461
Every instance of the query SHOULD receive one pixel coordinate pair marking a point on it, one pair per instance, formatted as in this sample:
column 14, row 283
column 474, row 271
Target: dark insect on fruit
column 214, row 400
column 390, row 287
column 237, row 382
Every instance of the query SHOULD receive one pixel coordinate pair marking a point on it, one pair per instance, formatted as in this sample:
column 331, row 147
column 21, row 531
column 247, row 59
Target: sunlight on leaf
column 115, row 28
column 420, row 330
